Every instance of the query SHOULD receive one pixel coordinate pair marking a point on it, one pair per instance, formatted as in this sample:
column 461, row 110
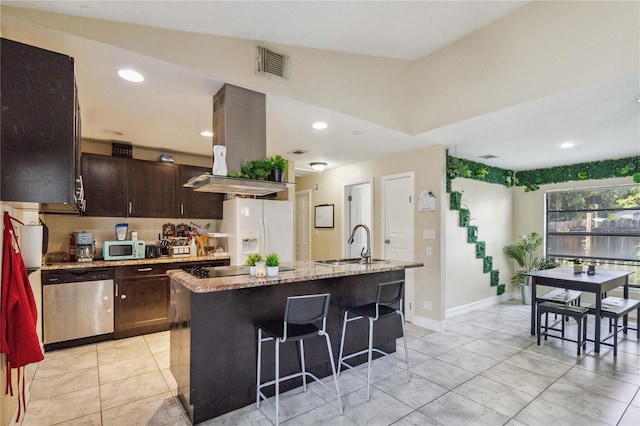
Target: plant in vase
column 273, row 261
column 522, row 252
column 251, row 261
column 577, row 266
column 278, row 166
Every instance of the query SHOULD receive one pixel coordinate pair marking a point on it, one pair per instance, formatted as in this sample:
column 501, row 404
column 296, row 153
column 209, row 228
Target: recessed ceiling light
column 318, row 166
column 131, row 75
column 566, row 145
column 206, row 133
column 319, row 125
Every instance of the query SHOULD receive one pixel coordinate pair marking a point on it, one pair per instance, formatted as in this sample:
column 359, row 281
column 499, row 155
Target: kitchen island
column 213, row 328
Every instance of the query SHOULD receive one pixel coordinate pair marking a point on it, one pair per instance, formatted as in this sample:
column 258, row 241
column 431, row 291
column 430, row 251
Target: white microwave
column 123, row 250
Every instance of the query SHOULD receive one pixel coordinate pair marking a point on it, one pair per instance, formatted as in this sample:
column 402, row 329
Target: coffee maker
column 84, row 246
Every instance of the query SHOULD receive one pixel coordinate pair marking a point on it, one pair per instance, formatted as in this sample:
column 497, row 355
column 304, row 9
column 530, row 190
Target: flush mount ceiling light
column 318, row 167
column 206, row 133
column 567, row 145
column 319, row 125
column 131, row 75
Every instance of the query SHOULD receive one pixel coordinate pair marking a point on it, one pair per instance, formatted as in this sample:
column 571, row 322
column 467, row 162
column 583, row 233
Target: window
column 594, row 224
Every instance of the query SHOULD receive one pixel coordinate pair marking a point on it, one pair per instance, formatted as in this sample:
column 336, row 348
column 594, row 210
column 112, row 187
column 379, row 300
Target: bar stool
column 388, row 303
column 576, row 312
column 615, row 308
column 562, row 296
column 301, row 315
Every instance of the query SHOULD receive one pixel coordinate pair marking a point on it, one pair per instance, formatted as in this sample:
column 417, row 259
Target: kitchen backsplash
column 104, row 228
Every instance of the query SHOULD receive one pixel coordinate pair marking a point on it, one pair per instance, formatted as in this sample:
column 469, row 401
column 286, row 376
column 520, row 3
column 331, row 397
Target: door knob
column 387, row 241
column 124, row 296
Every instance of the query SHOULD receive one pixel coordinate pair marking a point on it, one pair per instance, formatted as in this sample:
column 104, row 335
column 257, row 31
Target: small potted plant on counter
column 273, row 261
column 252, row 259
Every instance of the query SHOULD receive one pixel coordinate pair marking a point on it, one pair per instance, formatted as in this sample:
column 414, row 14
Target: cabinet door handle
column 145, row 269
column 130, row 203
column 117, row 288
column 181, row 209
column 124, row 296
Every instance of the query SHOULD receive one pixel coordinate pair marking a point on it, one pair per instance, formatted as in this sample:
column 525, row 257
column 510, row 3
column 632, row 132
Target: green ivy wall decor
column 532, row 179
column 472, row 234
column 487, row 264
column 495, row 278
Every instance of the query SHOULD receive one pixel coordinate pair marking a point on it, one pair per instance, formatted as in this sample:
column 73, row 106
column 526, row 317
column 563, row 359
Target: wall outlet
column 428, row 251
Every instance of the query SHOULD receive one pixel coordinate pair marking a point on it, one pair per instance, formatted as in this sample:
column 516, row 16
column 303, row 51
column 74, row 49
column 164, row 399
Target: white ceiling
column 602, row 119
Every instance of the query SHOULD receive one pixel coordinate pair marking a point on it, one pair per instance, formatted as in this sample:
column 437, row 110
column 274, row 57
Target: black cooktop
column 225, row 271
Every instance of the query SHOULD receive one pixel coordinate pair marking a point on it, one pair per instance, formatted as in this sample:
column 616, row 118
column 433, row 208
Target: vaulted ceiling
column 511, row 79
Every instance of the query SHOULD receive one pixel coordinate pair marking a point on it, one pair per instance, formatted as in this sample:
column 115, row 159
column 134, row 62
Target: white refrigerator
column 258, row 226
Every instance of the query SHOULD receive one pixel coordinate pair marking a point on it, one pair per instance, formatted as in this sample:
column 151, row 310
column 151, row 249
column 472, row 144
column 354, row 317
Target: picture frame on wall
column 324, row 216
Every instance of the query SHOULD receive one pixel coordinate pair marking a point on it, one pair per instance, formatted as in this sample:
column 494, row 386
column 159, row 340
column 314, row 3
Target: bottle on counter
column 72, row 248
column 193, row 248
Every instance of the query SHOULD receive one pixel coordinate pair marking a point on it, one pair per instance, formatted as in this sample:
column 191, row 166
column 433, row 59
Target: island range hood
column 240, row 124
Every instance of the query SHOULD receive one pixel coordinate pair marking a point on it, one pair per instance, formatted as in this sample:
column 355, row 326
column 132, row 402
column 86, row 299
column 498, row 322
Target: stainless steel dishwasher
column 77, row 306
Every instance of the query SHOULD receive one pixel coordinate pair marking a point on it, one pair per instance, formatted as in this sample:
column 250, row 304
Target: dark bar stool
column 615, row 308
column 562, row 296
column 301, row 316
column 578, row 313
column 388, row 303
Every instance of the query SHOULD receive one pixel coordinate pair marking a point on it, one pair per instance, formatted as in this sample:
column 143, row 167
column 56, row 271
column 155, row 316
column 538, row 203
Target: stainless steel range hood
column 240, row 124
column 228, row 185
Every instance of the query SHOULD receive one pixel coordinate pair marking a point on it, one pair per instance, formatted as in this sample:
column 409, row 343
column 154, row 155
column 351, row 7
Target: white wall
column 428, row 165
column 491, row 211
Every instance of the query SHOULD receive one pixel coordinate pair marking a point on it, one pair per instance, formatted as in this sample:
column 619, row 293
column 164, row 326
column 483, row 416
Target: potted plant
column 522, row 252
column 251, row 261
column 577, row 266
column 273, row 261
column 278, row 166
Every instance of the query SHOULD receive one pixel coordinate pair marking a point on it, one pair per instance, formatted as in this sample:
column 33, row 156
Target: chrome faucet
column 366, row 255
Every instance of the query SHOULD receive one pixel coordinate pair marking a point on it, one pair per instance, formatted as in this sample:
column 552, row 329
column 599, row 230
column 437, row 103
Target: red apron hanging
column 18, row 313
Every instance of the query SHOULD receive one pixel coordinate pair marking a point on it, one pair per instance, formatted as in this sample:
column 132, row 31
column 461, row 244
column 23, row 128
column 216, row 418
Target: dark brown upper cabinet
column 40, row 136
column 151, row 189
column 105, row 185
column 197, row 205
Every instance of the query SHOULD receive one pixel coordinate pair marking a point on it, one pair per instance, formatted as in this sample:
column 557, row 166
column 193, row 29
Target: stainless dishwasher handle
column 145, row 269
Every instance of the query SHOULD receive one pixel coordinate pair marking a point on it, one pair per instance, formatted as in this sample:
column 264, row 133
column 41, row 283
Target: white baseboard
column 485, row 303
column 427, row 323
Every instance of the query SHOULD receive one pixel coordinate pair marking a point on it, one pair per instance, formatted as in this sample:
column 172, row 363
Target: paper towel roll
column 31, row 245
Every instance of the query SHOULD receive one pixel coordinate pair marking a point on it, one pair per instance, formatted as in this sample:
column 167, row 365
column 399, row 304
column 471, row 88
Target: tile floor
column 484, row 369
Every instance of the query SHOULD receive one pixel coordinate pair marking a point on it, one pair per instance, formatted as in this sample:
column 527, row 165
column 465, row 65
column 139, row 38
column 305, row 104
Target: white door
column 303, row 225
column 358, row 210
column 397, row 227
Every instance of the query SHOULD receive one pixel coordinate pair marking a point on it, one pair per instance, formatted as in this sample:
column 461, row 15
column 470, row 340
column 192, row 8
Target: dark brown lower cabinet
column 142, row 296
column 141, row 300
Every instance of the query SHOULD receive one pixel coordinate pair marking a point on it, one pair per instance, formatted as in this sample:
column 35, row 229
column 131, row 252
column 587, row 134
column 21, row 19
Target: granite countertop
column 146, row 261
column 302, row 271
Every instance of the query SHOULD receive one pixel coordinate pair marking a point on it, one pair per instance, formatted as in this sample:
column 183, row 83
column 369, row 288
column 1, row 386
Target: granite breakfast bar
column 213, row 328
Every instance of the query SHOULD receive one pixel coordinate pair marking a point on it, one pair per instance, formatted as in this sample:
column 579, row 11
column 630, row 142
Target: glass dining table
column 602, row 281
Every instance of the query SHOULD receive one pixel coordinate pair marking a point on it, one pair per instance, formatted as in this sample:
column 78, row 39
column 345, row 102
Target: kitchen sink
column 351, row 261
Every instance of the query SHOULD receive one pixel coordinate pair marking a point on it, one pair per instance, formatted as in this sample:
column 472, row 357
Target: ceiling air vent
column 273, row 64
column 488, row 156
